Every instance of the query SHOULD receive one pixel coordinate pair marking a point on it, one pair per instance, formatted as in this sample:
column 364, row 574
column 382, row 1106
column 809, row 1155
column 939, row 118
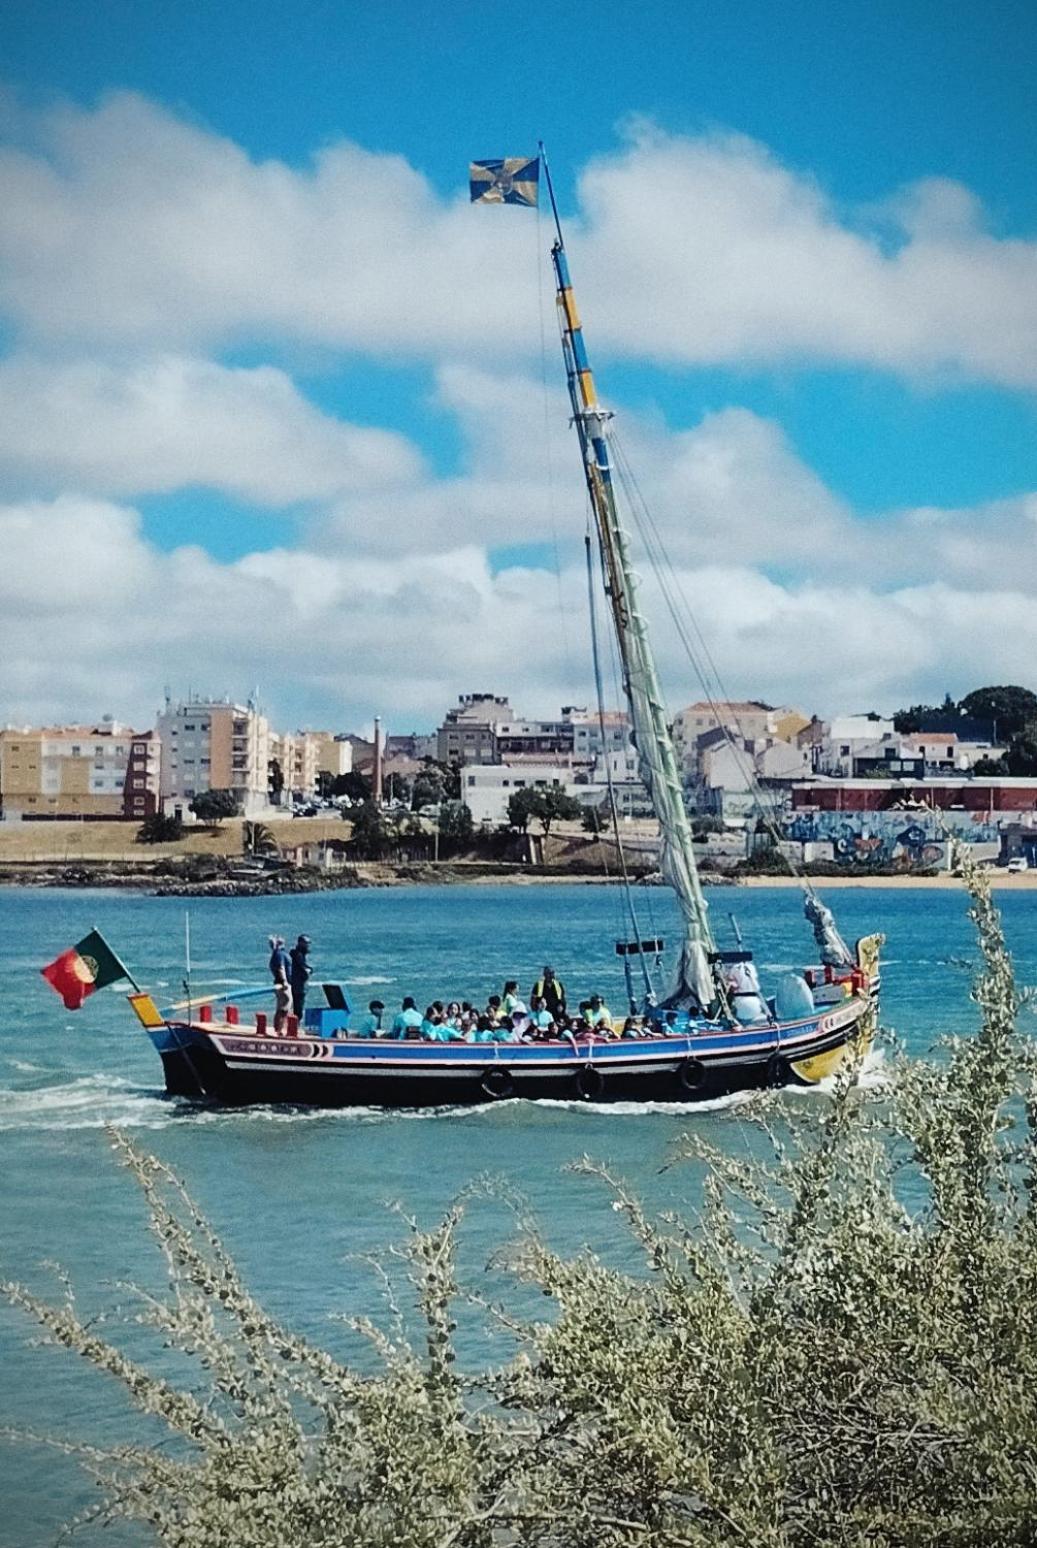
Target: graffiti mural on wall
column 884, row 838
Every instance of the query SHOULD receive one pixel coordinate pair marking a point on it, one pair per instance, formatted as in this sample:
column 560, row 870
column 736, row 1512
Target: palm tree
column 257, row 839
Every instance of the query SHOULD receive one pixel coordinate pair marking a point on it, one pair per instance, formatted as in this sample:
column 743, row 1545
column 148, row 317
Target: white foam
column 371, row 978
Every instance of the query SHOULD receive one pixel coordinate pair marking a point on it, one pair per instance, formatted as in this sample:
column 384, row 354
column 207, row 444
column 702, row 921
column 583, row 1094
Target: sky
column 281, row 410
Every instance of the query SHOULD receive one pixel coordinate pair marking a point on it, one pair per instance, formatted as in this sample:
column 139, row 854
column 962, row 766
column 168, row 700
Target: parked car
column 1018, row 863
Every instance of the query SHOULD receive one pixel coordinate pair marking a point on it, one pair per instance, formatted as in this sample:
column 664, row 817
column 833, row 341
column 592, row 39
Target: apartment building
column 469, row 732
column 85, row 771
column 214, row 745
column 748, row 720
column 298, row 756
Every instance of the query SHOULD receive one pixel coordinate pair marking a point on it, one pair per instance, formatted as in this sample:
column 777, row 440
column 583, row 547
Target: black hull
column 203, row 1074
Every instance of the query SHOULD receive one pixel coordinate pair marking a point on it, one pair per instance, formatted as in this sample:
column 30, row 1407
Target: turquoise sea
column 301, row 1197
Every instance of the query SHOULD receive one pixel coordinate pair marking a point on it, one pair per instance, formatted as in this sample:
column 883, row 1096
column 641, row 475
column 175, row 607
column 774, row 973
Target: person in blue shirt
column 407, row 1021
column 371, row 1024
column 280, row 972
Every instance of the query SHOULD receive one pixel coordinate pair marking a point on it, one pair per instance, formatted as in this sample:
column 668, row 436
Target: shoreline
column 48, row 875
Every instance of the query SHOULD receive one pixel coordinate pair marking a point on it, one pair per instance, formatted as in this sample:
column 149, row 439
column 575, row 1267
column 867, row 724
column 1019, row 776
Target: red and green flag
column 89, row 965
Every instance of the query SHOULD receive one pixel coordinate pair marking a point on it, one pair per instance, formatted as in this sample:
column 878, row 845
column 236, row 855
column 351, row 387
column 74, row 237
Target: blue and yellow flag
column 515, row 180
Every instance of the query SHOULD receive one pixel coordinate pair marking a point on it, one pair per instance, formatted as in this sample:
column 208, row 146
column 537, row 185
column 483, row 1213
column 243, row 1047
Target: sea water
column 302, row 1198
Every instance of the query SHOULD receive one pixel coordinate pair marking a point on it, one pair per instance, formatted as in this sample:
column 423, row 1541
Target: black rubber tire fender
column 691, row 1075
column 590, row 1082
column 497, row 1083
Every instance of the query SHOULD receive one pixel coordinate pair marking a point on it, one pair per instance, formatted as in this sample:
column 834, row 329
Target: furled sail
column 694, row 982
column 834, row 950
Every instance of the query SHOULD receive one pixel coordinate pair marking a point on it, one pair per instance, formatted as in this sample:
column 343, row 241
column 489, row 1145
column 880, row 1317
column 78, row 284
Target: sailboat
column 713, row 1030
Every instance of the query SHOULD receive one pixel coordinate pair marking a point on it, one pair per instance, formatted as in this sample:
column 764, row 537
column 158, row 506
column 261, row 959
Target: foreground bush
column 835, row 1347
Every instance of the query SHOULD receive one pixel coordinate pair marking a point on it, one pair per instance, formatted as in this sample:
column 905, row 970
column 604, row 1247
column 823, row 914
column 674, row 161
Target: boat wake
column 96, row 1101
column 89, row 1102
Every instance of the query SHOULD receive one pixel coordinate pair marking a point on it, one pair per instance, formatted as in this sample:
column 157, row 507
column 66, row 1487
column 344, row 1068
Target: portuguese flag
column 89, row 965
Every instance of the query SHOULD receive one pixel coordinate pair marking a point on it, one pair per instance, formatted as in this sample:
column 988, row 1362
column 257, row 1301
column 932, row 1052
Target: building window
column 140, row 748
column 75, row 751
column 471, row 780
column 138, row 784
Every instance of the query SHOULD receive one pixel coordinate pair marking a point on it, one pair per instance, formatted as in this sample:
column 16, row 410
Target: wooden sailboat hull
column 235, row 1066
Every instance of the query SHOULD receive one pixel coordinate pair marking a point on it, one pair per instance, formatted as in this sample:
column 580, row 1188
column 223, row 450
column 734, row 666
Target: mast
column 660, row 770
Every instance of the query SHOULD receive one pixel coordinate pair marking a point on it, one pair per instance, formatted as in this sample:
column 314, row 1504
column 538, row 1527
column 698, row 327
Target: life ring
column 779, row 1071
column 497, row 1083
column 590, row 1082
column 691, row 1074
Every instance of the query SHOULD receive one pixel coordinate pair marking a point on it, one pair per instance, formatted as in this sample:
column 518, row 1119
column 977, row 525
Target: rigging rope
column 628, row 896
column 680, row 610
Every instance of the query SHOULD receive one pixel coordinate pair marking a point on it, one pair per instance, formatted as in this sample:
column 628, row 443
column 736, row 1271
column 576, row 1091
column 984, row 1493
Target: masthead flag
column 514, row 180
column 89, row 965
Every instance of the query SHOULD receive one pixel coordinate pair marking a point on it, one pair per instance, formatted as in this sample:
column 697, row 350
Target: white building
column 855, row 736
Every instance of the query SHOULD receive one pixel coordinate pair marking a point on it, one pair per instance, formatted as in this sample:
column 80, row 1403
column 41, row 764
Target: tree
column 594, row 818
column 522, row 806
column 160, row 829
column 912, row 719
column 1020, row 760
column 372, row 838
column 456, row 828
column 558, row 807
column 212, row 806
column 434, row 782
column 1013, row 710
column 397, row 786
column 354, row 785
column 547, row 803
column 257, row 839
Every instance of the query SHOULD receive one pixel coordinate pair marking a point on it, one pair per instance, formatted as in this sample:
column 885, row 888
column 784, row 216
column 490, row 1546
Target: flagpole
column 187, row 960
column 551, row 193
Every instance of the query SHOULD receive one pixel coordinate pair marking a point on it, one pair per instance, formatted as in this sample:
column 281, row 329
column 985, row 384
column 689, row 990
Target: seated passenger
column 407, row 1021
column 371, row 1024
column 633, row 1027
column 511, row 1001
column 484, row 1031
column 493, row 1008
column 539, row 1016
column 599, row 1016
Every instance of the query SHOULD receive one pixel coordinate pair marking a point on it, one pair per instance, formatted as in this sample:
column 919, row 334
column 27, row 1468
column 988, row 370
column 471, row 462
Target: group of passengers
column 506, row 1018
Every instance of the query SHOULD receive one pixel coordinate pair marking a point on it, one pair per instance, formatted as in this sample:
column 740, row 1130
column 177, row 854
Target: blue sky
column 805, row 241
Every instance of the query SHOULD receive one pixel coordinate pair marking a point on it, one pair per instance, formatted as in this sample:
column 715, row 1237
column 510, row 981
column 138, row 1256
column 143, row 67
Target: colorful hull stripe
column 812, row 1047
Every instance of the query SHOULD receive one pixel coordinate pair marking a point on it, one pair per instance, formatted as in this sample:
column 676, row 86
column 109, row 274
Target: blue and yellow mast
column 696, row 979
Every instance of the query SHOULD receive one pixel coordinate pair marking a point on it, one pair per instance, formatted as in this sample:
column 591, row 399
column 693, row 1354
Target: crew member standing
column 280, row 967
column 299, row 973
column 551, row 991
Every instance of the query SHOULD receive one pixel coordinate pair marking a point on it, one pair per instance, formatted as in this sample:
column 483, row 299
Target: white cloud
column 126, row 224
column 161, row 424
column 96, row 619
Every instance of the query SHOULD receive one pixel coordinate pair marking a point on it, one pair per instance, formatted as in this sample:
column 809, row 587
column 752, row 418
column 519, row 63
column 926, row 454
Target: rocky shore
column 173, row 879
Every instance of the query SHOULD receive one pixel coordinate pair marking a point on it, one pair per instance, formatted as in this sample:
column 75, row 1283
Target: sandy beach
column 999, row 880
